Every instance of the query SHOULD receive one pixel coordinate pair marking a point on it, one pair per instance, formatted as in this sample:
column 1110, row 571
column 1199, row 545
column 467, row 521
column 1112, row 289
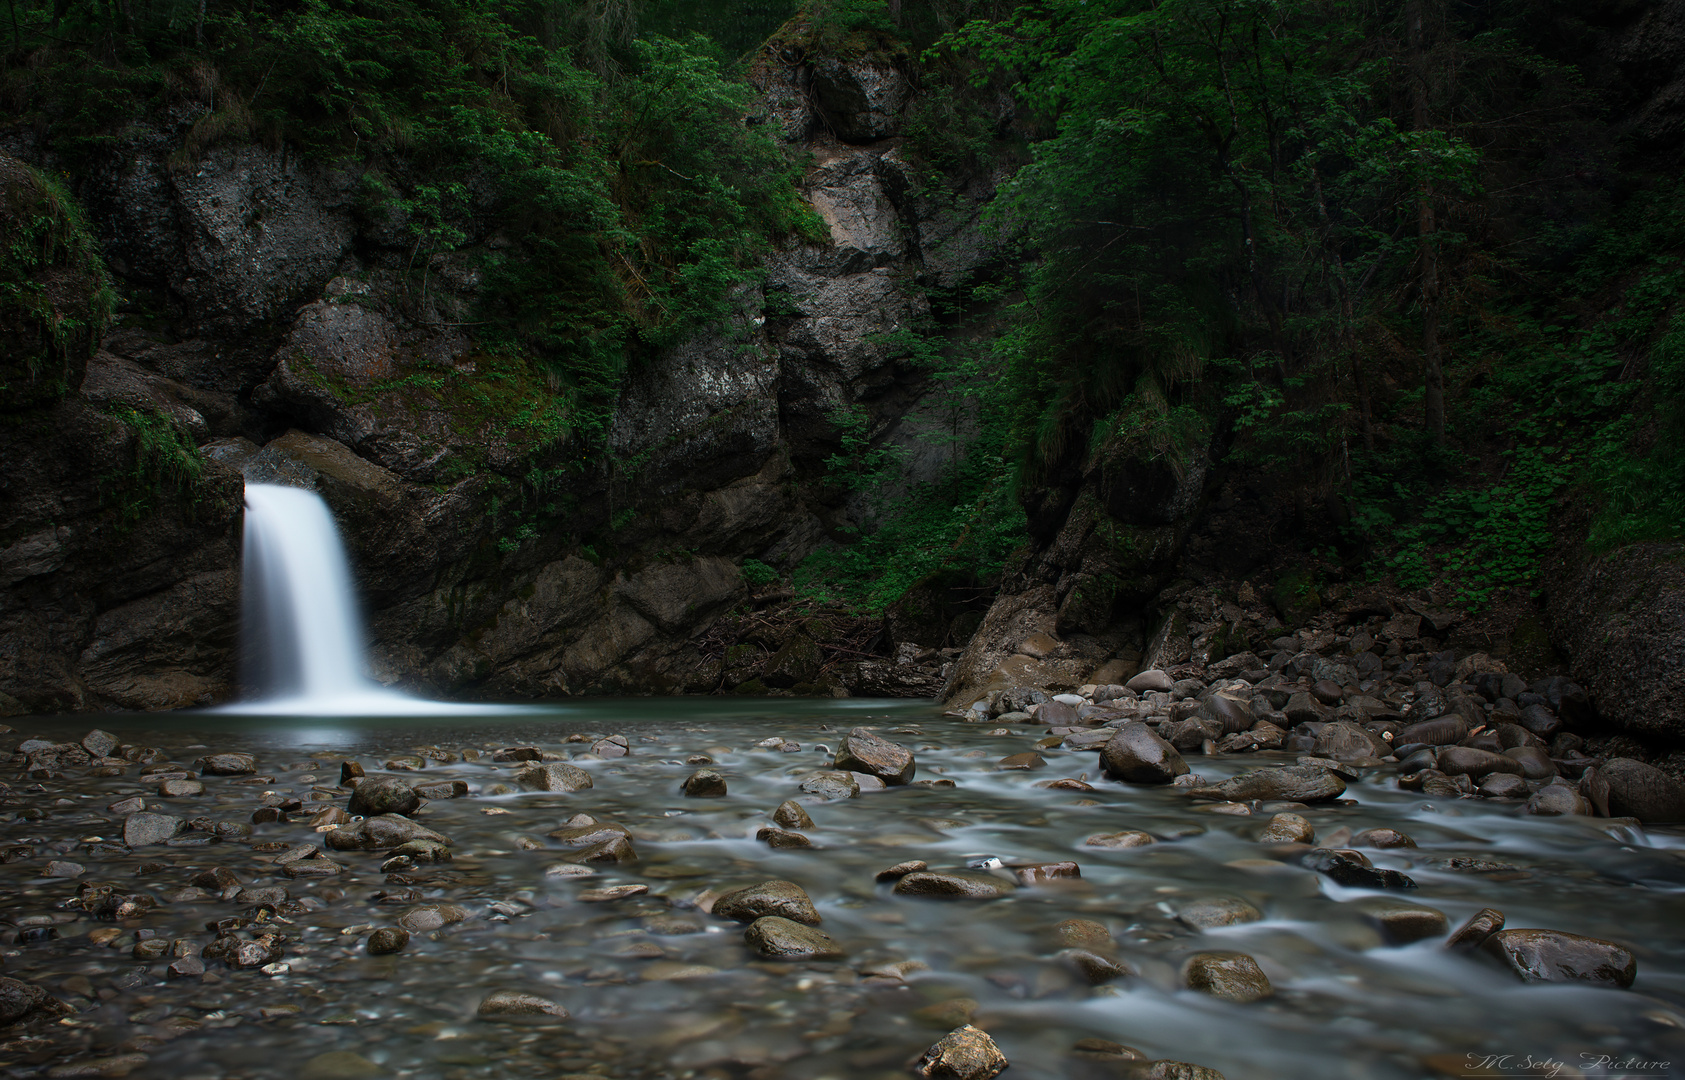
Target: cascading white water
column 304, row 636
column 301, row 615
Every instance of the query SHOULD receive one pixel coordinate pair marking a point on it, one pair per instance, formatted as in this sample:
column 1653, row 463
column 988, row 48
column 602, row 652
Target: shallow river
column 658, row 988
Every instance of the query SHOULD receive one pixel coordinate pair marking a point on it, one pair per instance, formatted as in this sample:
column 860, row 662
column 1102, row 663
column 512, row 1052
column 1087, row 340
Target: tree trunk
column 1433, row 374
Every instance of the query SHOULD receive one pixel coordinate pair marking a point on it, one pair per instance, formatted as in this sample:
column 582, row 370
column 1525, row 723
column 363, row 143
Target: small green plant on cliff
column 55, row 297
column 166, row 464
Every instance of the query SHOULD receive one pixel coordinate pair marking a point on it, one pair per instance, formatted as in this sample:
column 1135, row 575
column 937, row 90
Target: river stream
column 657, row 987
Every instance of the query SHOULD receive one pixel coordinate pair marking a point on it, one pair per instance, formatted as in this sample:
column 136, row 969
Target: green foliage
column 166, row 465
column 967, row 520
column 919, row 533
column 605, row 186
column 55, row 298
column 758, row 573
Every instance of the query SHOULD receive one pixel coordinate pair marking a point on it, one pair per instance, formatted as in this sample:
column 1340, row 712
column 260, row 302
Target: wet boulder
column 1558, row 800
column 1287, row 829
column 379, row 834
column 704, row 784
column 378, row 795
column 1354, row 871
column 1289, row 783
column 1630, row 788
column 20, row 1001
column 863, row 752
column 784, row 899
column 1345, row 741
column 779, row 938
column 791, row 815
column 1556, row 956
column 1212, row 912
column 1227, row 975
column 1474, row 932
column 1440, row 731
column 831, row 785
column 1399, row 921
column 1137, row 755
column 142, row 829
column 228, row 765
column 965, row 1053
column 953, row 885
column 555, row 776
column 1474, row 763
column 1232, row 713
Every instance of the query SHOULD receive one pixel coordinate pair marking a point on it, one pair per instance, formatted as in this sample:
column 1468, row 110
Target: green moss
column 55, row 297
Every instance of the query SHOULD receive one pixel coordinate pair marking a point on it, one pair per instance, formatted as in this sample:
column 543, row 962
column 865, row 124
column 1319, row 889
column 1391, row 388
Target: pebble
column 505, row 1004
column 388, row 940
column 1381, row 838
column 1473, row 933
column 1217, row 911
column 1012, row 762
column 1128, row 838
column 340, row 1065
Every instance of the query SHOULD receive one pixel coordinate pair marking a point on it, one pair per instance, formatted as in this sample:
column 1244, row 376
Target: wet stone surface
column 533, row 894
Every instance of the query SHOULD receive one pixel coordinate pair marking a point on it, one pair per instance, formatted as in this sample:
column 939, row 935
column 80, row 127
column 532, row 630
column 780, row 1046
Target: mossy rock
column 55, row 298
column 1295, row 598
column 798, row 661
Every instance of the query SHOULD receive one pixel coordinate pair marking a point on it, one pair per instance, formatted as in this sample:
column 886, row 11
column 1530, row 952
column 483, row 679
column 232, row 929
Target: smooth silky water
column 700, row 999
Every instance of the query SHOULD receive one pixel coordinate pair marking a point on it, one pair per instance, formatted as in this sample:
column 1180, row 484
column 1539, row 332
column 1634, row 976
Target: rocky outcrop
column 1104, row 544
column 293, row 349
column 1620, row 618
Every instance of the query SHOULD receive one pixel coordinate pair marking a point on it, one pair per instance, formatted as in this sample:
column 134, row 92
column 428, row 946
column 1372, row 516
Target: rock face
column 291, row 354
column 1620, row 618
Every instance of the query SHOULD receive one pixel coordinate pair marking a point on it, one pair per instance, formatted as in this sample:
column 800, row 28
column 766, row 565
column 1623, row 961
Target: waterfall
column 304, row 645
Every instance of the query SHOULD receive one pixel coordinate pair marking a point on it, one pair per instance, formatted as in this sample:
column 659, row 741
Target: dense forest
column 1412, row 264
